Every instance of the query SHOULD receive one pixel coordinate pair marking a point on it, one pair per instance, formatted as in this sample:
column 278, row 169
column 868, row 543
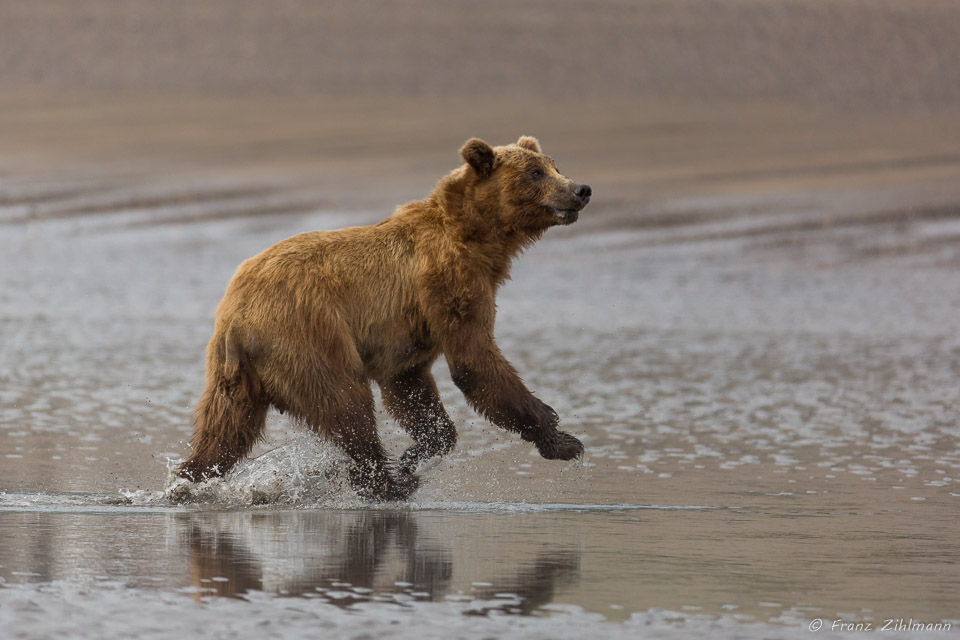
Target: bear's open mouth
column 565, row 216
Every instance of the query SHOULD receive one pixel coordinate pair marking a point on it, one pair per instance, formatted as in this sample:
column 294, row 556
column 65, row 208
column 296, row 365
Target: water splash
column 304, row 471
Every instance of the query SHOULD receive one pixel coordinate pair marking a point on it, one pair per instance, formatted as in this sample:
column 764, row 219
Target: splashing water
column 305, row 471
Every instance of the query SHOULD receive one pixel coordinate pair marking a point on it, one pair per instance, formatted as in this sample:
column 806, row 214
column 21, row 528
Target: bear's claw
column 560, row 446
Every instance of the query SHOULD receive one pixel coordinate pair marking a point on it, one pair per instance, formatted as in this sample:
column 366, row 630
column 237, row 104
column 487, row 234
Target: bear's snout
column 583, row 193
column 572, row 199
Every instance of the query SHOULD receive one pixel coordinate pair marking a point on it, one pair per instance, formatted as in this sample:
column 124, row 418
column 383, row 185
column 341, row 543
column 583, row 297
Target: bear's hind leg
column 412, row 399
column 229, row 419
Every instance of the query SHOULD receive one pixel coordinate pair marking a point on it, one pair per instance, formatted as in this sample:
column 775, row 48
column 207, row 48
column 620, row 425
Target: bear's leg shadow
column 413, row 400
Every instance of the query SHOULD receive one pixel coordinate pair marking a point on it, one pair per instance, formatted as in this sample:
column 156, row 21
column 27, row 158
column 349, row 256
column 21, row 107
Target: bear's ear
column 479, row 155
column 529, row 142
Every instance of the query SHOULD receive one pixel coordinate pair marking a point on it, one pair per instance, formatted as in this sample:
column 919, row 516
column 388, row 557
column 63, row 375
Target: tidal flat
column 752, row 328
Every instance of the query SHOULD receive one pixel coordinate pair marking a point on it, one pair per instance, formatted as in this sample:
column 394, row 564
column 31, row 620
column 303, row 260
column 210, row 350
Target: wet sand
column 752, row 328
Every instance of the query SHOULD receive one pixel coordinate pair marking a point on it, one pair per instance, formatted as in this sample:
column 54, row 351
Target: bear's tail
column 230, row 416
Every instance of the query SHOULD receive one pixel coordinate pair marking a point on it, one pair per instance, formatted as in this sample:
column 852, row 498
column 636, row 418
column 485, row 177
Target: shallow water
column 769, row 410
column 672, row 570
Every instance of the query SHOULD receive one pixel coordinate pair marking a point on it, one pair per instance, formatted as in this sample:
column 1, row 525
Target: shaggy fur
column 307, row 324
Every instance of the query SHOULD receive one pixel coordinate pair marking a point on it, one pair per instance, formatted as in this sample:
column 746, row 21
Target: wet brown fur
column 306, row 324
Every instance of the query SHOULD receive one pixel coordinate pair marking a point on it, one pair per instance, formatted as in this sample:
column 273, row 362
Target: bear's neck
column 490, row 246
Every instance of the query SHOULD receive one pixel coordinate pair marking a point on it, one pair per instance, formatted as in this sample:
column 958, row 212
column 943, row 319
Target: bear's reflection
column 534, row 585
column 358, row 556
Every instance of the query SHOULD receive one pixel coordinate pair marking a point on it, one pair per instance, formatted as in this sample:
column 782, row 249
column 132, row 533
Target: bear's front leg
column 464, row 326
column 552, row 443
column 495, row 390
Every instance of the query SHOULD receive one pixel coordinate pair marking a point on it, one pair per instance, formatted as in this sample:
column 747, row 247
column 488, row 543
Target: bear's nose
column 583, row 192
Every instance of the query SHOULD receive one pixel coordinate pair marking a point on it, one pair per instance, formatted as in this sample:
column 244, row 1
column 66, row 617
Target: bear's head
column 521, row 185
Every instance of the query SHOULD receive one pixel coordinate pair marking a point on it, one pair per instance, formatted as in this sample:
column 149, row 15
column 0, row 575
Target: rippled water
column 770, row 412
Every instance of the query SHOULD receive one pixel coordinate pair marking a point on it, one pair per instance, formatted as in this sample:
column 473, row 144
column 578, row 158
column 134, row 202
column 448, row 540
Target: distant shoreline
column 865, row 55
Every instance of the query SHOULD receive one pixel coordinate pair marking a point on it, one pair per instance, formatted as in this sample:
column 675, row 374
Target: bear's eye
column 536, row 174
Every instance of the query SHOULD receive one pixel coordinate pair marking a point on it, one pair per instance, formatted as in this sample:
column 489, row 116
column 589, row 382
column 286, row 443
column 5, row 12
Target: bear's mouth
column 565, row 216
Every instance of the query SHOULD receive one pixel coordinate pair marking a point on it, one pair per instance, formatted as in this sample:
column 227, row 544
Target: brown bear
column 307, row 324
